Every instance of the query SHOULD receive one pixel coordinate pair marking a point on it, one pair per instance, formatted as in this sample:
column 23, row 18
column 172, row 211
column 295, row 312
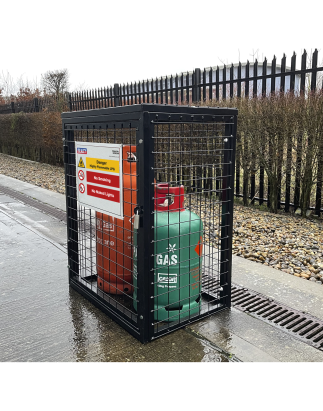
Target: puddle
column 211, row 355
column 96, row 337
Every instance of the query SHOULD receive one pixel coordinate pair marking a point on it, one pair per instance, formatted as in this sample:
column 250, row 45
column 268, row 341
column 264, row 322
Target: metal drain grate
column 45, row 208
column 210, row 286
column 301, row 325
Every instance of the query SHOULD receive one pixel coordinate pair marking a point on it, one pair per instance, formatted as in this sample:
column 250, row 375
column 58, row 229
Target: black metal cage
column 167, row 261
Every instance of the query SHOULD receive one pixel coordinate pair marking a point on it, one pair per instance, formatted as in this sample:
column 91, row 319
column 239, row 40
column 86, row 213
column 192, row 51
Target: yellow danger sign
column 111, row 166
column 81, row 163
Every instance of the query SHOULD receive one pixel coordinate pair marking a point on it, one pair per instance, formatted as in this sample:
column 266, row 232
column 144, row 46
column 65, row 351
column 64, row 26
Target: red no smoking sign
column 81, row 188
column 81, row 175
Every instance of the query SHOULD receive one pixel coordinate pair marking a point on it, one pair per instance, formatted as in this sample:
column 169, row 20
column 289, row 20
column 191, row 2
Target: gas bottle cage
column 167, row 261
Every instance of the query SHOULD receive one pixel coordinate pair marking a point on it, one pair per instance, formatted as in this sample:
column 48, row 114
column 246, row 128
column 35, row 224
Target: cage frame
column 143, row 118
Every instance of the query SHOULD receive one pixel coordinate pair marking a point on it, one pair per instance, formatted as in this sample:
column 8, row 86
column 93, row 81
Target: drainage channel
column 300, row 325
column 45, row 208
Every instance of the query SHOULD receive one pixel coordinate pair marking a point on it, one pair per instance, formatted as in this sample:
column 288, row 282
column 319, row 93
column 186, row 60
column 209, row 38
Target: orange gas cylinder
column 114, row 236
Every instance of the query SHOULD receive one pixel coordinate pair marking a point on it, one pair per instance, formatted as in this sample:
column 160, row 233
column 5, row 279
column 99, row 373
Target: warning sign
column 81, row 188
column 104, row 179
column 81, row 175
column 99, row 167
column 105, row 193
column 81, row 163
column 110, row 166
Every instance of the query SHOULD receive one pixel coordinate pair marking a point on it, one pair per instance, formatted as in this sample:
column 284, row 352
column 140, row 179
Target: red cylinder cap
column 169, row 198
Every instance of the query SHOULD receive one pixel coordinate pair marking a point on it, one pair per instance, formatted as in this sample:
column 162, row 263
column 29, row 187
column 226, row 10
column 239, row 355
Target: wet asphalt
column 43, row 320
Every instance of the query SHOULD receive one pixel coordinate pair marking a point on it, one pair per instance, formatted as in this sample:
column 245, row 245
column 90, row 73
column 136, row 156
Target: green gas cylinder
column 178, row 243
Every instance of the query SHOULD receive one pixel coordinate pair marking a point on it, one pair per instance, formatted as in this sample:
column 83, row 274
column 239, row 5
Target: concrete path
column 41, row 319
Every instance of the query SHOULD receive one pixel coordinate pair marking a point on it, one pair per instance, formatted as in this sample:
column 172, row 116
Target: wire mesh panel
column 192, row 218
column 167, row 260
column 103, row 258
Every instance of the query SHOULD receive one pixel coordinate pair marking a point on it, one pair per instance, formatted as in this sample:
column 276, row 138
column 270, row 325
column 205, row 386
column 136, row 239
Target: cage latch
column 136, row 219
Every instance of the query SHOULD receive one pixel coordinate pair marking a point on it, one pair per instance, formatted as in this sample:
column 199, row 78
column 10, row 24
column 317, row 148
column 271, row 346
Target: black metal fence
column 220, row 83
column 28, row 106
column 35, row 105
column 250, row 80
column 167, row 262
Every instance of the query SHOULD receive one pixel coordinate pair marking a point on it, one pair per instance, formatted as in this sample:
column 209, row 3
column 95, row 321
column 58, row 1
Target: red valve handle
column 163, row 193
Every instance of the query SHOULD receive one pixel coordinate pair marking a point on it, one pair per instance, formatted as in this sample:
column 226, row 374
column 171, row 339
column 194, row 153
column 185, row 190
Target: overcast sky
column 99, row 67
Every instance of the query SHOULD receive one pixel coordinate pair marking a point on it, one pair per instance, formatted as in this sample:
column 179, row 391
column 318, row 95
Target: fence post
column 36, row 105
column 116, row 95
column 70, row 101
column 13, row 107
column 196, row 79
column 314, row 71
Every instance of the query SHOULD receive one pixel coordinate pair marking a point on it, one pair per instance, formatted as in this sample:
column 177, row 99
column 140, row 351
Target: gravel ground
column 286, row 242
column 41, row 175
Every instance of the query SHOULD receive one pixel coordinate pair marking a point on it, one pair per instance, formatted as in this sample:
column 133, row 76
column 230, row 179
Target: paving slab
column 34, row 219
column 41, row 194
column 302, row 295
column 253, row 340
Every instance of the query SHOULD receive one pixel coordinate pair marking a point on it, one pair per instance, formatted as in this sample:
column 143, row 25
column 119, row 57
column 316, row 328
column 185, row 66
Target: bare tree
column 254, row 55
column 2, row 99
column 56, row 81
column 80, row 87
column 7, row 85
